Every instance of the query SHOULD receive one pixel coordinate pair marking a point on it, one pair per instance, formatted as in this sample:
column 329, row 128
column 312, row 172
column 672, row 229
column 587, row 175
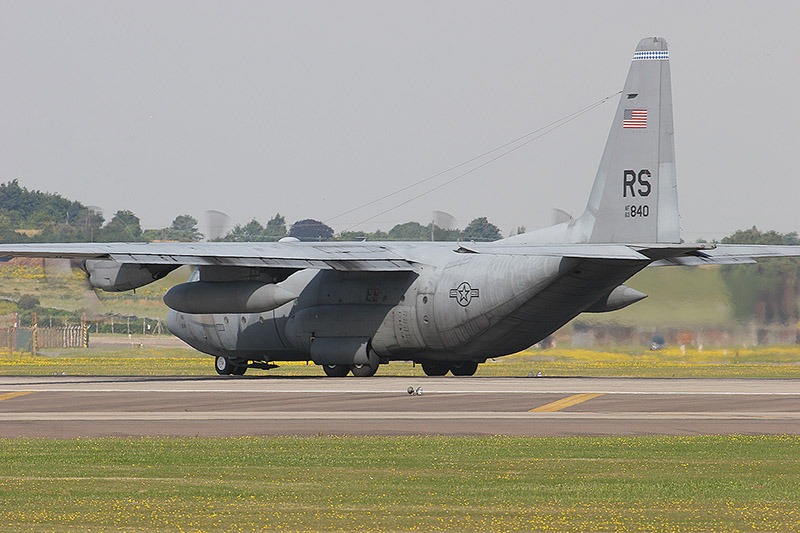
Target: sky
column 313, row 108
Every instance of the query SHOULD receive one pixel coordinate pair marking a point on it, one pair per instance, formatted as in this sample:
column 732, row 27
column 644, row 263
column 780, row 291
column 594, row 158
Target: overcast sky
column 313, row 108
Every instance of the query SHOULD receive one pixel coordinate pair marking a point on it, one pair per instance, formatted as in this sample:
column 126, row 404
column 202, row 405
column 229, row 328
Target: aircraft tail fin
column 634, row 198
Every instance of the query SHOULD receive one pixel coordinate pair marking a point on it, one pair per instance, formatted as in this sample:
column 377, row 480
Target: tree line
column 35, row 216
column 766, row 292
column 480, row 229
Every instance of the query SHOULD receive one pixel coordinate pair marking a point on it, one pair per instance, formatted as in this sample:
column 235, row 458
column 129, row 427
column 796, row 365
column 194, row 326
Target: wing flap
column 700, row 261
column 578, row 251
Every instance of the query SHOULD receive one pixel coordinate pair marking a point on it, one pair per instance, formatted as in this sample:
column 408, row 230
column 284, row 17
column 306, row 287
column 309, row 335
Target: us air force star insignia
column 464, row 294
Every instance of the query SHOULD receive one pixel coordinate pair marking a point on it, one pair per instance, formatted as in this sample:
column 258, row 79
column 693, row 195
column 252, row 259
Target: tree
column 31, row 209
column 410, row 231
column 56, row 217
column 480, row 229
column 89, row 222
column 53, row 232
column 248, row 233
column 309, row 229
column 253, row 231
column 124, row 227
column 376, row 235
column 352, row 236
column 275, row 228
column 184, row 228
column 766, row 291
column 414, row 231
column 445, row 235
column 184, row 223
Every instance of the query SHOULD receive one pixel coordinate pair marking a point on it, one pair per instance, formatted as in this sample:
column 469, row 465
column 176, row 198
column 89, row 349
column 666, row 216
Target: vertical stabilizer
column 634, row 198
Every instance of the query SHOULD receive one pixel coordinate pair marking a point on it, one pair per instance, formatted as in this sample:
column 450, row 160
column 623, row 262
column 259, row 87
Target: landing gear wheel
column 239, row 370
column 435, row 368
column 224, row 366
column 464, row 368
column 365, row 371
column 336, row 371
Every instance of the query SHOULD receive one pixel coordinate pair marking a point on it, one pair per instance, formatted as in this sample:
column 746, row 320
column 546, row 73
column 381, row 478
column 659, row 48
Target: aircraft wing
column 294, row 255
column 346, row 256
column 659, row 254
column 386, row 256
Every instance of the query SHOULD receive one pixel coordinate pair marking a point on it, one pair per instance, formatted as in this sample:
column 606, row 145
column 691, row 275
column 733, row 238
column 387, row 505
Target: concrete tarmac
column 80, row 406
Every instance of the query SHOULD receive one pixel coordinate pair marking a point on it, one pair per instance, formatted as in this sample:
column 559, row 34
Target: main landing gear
column 440, row 368
column 359, row 371
column 227, row 367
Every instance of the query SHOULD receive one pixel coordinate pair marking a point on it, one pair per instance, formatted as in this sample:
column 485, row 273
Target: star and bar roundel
column 464, row 294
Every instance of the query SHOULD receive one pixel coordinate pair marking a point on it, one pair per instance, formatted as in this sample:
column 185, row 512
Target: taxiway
column 72, row 406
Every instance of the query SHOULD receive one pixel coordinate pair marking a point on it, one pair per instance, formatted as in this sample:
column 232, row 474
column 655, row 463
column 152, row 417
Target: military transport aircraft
column 449, row 306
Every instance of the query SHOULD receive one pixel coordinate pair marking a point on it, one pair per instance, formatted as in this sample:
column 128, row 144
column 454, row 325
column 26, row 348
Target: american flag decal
column 634, row 118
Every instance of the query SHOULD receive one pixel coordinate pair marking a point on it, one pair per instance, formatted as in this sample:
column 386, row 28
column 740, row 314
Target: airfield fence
column 15, row 337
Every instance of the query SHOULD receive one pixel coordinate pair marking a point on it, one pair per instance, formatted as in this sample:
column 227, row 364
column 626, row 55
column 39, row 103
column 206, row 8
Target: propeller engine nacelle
column 116, row 277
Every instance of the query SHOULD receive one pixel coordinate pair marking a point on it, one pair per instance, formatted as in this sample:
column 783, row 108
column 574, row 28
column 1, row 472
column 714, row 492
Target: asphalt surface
column 76, row 406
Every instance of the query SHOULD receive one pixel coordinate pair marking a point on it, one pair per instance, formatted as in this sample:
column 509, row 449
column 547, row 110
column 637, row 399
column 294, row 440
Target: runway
column 77, row 406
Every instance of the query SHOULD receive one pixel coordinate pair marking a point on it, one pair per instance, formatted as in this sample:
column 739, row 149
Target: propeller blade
column 217, row 224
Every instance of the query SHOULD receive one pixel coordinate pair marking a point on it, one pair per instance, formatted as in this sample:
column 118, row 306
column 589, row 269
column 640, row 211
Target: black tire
column 435, row 368
column 239, row 370
column 464, row 368
column 223, row 365
column 336, row 371
column 364, row 371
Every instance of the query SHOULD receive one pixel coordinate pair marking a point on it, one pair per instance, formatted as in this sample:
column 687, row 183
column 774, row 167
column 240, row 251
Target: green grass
column 757, row 362
column 730, row 483
column 769, row 361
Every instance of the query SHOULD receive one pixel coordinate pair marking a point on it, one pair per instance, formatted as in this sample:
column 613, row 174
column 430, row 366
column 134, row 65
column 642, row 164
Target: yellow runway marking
column 565, row 402
column 9, row 395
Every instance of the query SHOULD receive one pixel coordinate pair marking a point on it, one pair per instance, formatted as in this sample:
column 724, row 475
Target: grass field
column 737, row 483
column 757, row 362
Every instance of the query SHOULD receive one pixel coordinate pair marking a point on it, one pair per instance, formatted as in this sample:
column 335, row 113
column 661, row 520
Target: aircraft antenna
column 530, row 136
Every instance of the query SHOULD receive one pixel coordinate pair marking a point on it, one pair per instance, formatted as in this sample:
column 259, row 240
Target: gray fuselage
column 453, row 307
